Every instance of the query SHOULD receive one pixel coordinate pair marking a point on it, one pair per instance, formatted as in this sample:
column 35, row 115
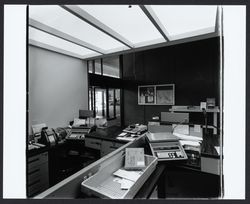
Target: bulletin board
column 163, row 94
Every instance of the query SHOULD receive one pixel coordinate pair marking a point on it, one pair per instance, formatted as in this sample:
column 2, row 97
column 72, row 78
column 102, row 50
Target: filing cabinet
column 37, row 174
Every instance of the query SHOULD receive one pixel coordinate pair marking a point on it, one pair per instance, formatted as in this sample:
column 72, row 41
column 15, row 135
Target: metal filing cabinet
column 37, row 174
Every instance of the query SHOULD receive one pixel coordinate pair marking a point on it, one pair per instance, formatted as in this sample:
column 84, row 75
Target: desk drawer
column 93, row 143
column 41, row 172
column 37, row 160
column 37, row 187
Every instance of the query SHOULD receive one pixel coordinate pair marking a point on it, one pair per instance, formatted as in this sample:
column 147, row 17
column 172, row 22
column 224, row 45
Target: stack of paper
column 188, row 137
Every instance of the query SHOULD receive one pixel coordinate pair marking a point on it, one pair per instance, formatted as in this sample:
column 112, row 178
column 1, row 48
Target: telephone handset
column 48, row 137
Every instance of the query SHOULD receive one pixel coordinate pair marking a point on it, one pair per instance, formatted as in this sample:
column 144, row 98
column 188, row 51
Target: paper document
column 182, row 129
column 126, row 184
column 130, row 175
column 122, row 134
column 197, row 128
column 126, row 138
column 191, row 143
column 187, row 137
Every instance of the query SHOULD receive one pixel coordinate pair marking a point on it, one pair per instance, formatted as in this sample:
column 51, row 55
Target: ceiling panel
column 186, row 21
column 51, row 40
column 64, row 21
column 131, row 22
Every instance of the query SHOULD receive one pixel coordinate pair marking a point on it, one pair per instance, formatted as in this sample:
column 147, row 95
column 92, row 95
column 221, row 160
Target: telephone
column 48, row 137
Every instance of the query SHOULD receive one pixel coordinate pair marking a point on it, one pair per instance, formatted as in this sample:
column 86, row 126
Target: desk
column 70, row 187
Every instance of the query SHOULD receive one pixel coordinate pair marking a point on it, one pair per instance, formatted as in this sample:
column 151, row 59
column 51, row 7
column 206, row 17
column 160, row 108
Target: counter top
column 40, row 150
column 34, row 152
column 109, row 134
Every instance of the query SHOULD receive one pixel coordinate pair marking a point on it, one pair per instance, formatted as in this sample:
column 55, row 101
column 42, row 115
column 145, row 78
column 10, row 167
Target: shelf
column 193, row 109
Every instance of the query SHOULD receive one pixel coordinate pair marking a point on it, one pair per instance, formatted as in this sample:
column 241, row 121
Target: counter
column 70, row 187
column 108, row 134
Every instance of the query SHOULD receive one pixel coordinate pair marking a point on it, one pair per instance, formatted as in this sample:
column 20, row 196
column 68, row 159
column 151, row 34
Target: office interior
column 99, row 85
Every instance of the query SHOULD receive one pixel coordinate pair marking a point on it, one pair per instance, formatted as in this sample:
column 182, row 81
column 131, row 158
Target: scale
column 166, row 146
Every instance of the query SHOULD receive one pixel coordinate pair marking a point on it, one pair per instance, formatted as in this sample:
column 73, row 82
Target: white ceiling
column 86, row 31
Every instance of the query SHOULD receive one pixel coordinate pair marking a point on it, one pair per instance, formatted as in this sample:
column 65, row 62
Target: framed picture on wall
column 165, row 94
column 146, row 95
column 156, row 94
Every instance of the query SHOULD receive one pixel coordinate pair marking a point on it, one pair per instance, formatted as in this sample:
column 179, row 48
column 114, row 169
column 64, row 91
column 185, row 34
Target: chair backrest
column 83, row 114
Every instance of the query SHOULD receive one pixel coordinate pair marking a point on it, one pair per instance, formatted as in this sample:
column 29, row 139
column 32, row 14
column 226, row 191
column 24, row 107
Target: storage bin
column 102, row 183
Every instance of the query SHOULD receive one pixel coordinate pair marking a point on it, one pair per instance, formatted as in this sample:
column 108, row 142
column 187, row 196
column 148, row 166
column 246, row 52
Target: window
column 109, row 66
column 90, row 67
column 98, row 66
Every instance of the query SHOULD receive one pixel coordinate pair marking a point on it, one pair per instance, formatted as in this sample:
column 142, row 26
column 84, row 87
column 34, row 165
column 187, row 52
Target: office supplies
column 166, row 146
column 105, row 184
column 134, row 158
column 174, row 117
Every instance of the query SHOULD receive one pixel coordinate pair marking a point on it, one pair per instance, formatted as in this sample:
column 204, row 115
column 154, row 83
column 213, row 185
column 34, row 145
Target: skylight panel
column 51, row 40
column 186, row 21
column 62, row 20
column 130, row 22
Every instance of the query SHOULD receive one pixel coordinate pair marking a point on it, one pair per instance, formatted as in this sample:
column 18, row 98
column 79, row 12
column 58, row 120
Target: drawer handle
column 36, row 181
column 32, row 172
column 33, row 160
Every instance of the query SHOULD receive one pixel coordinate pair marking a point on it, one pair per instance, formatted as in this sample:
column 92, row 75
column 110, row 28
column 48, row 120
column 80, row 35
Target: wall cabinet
column 37, row 174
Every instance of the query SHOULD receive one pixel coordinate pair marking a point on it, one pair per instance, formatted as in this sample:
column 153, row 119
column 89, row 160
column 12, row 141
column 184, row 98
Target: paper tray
column 102, row 183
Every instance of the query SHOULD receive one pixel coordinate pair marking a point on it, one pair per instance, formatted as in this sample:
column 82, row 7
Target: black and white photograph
column 123, row 101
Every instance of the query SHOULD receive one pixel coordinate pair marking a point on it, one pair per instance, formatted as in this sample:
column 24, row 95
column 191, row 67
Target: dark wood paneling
column 104, row 81
column 192, row 67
